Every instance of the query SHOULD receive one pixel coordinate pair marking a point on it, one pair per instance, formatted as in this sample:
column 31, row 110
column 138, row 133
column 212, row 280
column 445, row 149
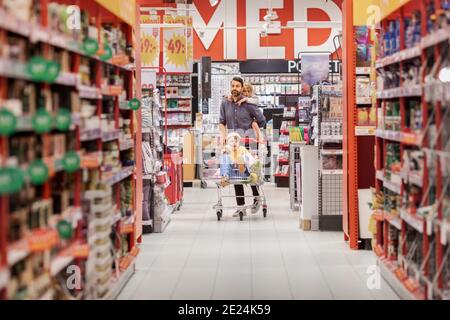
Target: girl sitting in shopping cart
column 238, row 167
column 238, row 164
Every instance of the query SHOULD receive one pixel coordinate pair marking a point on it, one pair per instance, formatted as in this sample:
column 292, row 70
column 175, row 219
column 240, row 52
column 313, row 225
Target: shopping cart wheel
column 265, row 212
column 219, row 215
column 241, row 216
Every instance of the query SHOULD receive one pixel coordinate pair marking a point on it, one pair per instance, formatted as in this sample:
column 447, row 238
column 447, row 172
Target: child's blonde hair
column 234, row 136
column 248, row 86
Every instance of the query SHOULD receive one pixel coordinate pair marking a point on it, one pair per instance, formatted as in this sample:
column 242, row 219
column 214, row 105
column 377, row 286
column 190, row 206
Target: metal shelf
column 410, row 91
column 387, row 270
column 120, row 283
column 403, row 55
column 365, row 131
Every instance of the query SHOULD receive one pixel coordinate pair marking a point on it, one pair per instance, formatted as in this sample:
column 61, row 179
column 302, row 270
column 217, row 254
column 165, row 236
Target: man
column 238, row 117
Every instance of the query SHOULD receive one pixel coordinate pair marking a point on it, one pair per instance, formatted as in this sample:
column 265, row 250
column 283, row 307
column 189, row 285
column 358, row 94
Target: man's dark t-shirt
column 240, row 118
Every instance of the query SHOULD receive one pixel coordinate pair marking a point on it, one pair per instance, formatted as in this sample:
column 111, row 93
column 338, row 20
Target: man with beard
column 238, row 117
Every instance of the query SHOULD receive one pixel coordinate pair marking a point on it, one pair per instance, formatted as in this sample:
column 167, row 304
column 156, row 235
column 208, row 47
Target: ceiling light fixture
column 270, row 16
column 265, row 29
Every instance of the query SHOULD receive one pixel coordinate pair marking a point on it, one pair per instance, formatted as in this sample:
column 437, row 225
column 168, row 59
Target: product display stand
column 295, row 176
column 274, row 89
column 330, row 158
column 177, row 107
column 74, row 142
column 411, row 202
column 156, row 210
column 289, row 121
column 304, row 184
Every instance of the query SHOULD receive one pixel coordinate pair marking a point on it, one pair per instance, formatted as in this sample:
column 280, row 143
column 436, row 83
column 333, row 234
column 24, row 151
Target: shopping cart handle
column 247, row 140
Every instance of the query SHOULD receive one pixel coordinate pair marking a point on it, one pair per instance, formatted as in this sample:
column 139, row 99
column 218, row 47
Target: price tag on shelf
column 42, row 121
column 71, row 161
column 134, row 104
column 90, row 46
column 63, row 120
column 8, row 122
column 42, row 239
column 11, row 180
column 38, row 172
column 107, row 53
column 80, row 251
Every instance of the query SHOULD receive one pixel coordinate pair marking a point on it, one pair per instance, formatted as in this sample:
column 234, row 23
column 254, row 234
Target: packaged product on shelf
column 363, row 116
column 373, row 116
column 411, row 73
column 415, row 115
column 363, row 87
column 332, row 162
column 413, row 30
column 335, row 107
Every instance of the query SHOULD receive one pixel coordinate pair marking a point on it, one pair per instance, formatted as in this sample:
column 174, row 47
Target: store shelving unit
column 412, row 160
column 156, row 212
column 177, row 95
column 275, row 89
column 31, row 220
column 290, row 119
column 330, row 158
column 358, row 140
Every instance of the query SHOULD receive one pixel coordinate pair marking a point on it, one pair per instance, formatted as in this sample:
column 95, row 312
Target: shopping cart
column 238, row 176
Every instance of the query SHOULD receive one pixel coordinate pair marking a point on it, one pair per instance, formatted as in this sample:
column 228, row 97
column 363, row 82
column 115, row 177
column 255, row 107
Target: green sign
column 11, row 180
column 134, row 104
column 71, row 162
column 63, row 120
column 38, row 172
column 37, row 68
column 42, row 121
column 107, row 54
column 90, row 46
column 53, row 70
column 8, row 122
column 65, row 229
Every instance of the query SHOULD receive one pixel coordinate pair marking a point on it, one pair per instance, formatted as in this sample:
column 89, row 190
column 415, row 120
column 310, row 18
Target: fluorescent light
column 444, row 75
column 213, row 3
column 315, row 24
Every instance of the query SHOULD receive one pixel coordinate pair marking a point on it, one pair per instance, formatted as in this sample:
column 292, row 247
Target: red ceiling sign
column 219, row 31
column 231, row 29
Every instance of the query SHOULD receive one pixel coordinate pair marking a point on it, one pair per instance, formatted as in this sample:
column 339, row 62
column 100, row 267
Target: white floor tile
column 198, row 257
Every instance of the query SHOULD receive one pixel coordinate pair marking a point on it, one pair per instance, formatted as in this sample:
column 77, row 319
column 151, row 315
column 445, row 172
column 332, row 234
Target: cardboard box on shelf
column 189, row 172
column 189, row 148
column 189, row 157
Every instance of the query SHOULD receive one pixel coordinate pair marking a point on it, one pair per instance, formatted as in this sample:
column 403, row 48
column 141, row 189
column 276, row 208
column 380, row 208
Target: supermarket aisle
column 200, row 258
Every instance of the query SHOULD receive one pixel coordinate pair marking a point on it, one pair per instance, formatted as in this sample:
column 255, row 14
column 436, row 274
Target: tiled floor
column 198, row 257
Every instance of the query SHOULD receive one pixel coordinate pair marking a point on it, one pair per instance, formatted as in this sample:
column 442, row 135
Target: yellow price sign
column 149, row 50
column 178, row 51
